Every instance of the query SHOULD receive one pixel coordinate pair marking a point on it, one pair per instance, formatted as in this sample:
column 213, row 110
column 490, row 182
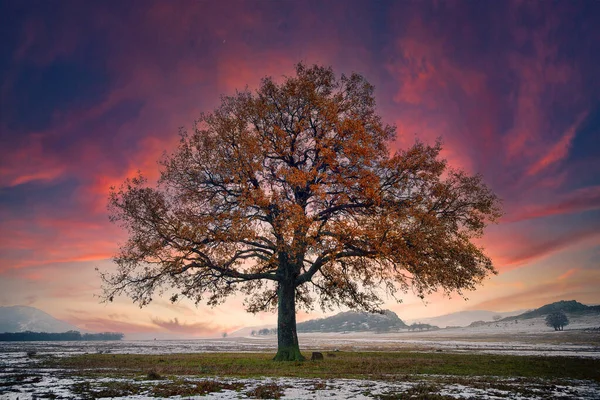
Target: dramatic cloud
column 95, row 324
column 194, row 329
column 92, row 93
column 576, row 201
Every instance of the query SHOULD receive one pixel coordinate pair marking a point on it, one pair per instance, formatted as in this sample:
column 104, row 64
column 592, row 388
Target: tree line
column 29, row 336
column 264, row 332
column 421, row 327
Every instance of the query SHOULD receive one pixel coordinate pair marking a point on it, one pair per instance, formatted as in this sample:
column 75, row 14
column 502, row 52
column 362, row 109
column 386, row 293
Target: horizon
column 166, row 335
column 86, row 100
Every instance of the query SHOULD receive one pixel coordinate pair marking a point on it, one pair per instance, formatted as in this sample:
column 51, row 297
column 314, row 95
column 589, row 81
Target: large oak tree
column 291, row 195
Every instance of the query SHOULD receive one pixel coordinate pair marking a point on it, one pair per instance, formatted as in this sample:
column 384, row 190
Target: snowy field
column 53, row 387
column 22, row 378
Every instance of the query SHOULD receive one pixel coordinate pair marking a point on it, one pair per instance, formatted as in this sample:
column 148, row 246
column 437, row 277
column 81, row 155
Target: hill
column 23, row 318
column 463, row 318
column 354, row 321
column 569, row 307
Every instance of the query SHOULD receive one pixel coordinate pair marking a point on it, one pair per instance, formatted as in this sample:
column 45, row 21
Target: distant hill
column 463, row 318
column 23, row 318
column 566, row 306
column 354, row 321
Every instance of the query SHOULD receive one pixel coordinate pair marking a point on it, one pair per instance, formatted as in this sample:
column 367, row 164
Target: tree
column 291, row 195
column 557, row 320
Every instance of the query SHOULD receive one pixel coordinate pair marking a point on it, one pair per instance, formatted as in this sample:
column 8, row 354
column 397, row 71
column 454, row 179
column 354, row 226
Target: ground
column 512, row 360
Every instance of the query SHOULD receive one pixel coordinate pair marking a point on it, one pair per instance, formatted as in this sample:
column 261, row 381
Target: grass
column 357, row 365
column 422, row 391
column 266, row 391
column 182, row 388
column 109, row 389
column 177, row 387
column 409, row 375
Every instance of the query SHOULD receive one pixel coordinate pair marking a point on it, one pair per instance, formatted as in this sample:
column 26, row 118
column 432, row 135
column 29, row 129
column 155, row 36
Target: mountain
column 463, row 318
column 569, row 306
column 354, row 321
column 23, row 318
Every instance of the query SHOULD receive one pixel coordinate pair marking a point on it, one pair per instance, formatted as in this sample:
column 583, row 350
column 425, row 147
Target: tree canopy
column 557, row 320
column 292, row 195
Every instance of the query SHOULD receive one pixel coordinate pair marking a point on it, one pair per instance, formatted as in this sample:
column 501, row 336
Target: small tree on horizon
column 557, row 320
column 292, row 195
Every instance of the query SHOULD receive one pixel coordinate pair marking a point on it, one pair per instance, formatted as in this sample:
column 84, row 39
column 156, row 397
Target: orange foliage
column 294, row 184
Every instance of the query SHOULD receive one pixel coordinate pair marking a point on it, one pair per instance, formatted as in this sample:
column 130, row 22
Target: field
column 503, row 362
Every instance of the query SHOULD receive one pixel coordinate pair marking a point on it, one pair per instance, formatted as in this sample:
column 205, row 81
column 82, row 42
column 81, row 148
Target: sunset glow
column 93, row 92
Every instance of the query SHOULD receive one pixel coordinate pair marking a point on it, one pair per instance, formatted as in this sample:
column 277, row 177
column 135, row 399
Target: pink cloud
column 99, row 324
column 568, row 274
column 559, row 150
column 73, row 239
column 566, row 287
column 194, row 329
column 520, row 248
column 580, row 200
column 434, row 77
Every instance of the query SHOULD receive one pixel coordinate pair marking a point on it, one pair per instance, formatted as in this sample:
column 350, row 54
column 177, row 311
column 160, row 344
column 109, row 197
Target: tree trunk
column 287, row 338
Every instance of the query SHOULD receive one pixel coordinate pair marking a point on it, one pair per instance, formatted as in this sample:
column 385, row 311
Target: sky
column 91, row 92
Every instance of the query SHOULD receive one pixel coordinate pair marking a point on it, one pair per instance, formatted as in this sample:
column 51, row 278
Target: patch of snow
column 14, row 360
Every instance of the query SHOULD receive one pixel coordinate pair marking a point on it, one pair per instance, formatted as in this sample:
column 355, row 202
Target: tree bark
column 287, row 337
